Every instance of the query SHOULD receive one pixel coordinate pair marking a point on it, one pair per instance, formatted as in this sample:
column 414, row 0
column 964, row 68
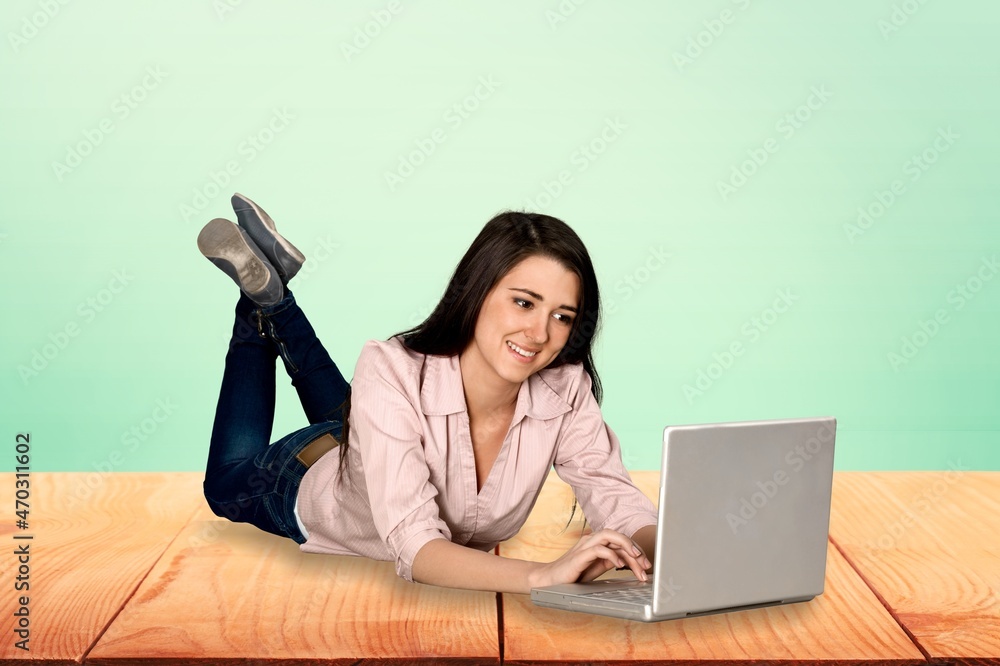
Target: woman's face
column 533, row 306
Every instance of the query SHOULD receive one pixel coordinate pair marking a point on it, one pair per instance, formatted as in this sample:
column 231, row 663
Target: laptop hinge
column 735, row 608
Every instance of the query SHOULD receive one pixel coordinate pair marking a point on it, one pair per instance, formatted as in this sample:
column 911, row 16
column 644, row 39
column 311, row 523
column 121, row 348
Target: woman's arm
column 588, row 458
column 441, row 562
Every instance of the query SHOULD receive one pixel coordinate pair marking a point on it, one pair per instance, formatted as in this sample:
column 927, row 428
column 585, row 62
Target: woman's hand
column 593, row 555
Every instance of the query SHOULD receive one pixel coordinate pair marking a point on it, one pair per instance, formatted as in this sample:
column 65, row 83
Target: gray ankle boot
column 231, row 249
column 284, row 256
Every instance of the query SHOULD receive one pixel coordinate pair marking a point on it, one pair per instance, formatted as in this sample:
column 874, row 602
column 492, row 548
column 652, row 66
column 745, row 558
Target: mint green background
column 322, row 178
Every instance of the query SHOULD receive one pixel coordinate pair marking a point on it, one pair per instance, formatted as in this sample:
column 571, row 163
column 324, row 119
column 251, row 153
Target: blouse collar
column 442, row 391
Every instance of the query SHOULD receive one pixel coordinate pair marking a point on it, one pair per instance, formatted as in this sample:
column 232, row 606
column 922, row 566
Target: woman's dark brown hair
column 506, row 240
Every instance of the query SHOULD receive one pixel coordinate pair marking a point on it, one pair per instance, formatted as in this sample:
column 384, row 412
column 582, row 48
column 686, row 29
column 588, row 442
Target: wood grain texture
column 95, row 536
column 230, row 591
column 929, row 543
column 226, row 593
column 845, row 624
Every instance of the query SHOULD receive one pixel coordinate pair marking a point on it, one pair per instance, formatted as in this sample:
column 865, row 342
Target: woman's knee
column 221, row 504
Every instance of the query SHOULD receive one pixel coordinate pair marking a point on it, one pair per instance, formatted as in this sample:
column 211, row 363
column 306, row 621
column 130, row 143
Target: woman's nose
column 537, row 332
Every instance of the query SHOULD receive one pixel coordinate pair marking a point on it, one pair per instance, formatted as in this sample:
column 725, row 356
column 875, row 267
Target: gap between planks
column 881, row 599
column 125, row 602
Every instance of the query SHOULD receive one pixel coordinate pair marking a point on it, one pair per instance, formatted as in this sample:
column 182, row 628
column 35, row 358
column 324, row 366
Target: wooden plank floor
column 845, row 624
column 94, row 539
column 230, row 591
column 929, row 543
column 134, row 568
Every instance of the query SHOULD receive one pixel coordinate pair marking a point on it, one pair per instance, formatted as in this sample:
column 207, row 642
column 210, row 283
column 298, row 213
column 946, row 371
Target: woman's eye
column 566, row 319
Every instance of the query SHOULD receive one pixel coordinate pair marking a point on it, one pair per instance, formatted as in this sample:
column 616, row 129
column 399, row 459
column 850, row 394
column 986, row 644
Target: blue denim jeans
column 248, row 480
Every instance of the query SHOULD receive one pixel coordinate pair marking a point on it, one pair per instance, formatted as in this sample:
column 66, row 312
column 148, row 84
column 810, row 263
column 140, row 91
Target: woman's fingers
column 629, row 547
column 596, row 553
column 598, row 568
column 615, row 557
column 611, row 537
column 605, row 553
column 641, row 558
column 627, row 550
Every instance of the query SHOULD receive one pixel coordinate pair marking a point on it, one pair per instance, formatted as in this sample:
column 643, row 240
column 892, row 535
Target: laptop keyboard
column 636, row 595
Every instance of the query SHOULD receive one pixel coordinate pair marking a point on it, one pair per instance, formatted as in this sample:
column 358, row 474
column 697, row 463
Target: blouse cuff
column 407, row 550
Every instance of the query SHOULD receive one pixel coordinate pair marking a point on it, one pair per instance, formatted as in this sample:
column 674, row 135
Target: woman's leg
column 246, row 479
column 321, row 387
column 244, row 416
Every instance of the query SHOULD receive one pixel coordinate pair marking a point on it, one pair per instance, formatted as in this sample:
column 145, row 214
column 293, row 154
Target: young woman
column 447, row 431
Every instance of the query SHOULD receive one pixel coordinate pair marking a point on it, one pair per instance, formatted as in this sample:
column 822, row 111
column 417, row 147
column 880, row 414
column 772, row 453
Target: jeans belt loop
column 315, row 449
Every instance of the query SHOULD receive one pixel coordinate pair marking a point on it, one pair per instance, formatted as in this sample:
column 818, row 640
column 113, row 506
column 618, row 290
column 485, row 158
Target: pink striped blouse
column 411, row 473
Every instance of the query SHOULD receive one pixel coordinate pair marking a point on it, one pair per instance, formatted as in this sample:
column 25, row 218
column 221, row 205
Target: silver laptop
column 743, row 522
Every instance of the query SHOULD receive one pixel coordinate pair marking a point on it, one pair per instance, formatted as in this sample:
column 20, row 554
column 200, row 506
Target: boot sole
column 228, row 247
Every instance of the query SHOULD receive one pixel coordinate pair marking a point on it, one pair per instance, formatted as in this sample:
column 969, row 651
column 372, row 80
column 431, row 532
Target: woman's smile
column 520, row 354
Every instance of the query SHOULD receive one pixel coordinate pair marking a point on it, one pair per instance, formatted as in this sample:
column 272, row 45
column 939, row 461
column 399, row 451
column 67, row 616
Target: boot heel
column 232, row 251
